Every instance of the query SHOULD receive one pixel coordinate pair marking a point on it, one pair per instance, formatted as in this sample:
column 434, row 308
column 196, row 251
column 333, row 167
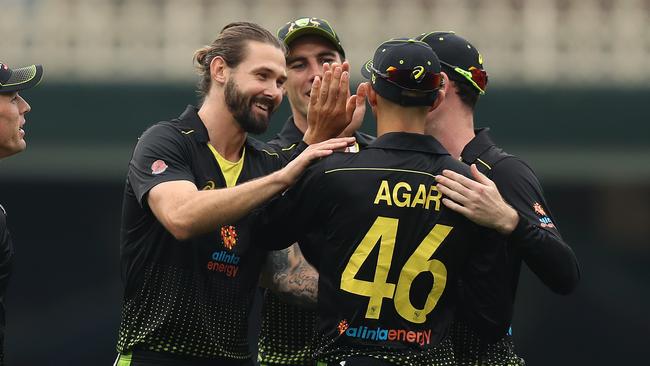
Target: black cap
column 309, row 26
column 12, row 80
column 404, row 71
column 459, row 56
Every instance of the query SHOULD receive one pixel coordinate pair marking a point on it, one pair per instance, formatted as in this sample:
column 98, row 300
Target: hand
column 290, row 173
column 327, row 115
column 479, row 201
column 356, row 109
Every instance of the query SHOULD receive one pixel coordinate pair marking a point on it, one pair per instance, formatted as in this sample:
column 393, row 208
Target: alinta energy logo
column 544, row 220
column 224, row 261
column 420, row 337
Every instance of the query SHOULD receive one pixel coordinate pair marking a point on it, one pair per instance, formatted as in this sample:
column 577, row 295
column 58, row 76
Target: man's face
column 253, row 90
column 304, row 62
column 12, row 118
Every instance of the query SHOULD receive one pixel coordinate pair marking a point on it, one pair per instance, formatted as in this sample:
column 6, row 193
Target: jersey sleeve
column 536, row 236
column 158, row 157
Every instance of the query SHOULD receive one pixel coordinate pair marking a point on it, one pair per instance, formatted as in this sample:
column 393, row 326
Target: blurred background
column 568, row 93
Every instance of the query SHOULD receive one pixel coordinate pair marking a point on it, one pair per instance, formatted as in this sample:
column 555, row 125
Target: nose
column 315, row 69
column 275, row 92
column 24, row 106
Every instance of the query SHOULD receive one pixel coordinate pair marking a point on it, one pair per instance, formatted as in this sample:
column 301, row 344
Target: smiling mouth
column 265, row 107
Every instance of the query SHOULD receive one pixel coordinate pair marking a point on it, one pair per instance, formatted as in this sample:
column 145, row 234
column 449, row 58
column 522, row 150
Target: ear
column 372, row 95
column 219, row 70
column 442, row 92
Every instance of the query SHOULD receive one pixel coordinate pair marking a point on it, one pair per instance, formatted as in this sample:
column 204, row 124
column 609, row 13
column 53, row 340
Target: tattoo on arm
column 289, row 275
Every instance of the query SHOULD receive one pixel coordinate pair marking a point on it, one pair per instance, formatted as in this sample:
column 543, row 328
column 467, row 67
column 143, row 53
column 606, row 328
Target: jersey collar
column 290, row 133
column 477, row 146
column 409, row 141
column 190, row 121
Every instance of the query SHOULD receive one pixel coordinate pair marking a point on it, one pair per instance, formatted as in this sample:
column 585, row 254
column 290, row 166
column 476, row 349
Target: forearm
column 547, row 255
column 288, row 274
column 202, row 211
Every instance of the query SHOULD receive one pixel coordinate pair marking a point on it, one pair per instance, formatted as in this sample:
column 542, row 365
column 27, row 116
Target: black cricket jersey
column 6, row 260
column 391, row 251
column 536, row 240
column 288, row 332
column 190, row 298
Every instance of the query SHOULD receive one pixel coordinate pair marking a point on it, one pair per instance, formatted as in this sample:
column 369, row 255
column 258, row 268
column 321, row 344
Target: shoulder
column 511, row 167
column 165, row 130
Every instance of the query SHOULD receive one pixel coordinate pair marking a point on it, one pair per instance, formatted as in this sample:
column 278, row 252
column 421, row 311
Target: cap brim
column 366, row 71
column 22, row 78
column 314, row 31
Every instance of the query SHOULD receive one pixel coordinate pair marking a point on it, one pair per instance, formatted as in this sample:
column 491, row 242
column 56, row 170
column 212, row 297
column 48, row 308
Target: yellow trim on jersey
column 123, row 360
column 484, row 163
column 270, row 153
column 229, row 169
column 289, row 148
column 381, row 169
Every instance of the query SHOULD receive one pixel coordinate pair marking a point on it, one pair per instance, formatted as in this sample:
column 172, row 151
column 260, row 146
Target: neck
column 299, row 120
column 452, row 124
column 394, row 118
column 225, row 133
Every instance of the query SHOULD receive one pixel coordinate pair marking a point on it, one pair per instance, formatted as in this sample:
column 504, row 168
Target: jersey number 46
column 383, row 232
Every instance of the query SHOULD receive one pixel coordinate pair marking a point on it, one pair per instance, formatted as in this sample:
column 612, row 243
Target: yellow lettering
column 434, row 195
column 383, row 194
column 406, row 196
column 420, row 197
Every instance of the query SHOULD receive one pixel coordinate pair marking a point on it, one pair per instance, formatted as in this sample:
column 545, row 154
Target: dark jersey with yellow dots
column 288, row 332
column 536, row 241
column 189, row 299
column 390, row 251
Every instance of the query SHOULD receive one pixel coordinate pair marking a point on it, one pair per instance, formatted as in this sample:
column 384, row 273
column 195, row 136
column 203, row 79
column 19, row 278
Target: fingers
column 459, row 178
column 480, row 177
column 455, row 207
column 345, row 66
column 452, row 193
column 450, row 181
column 315, row 90
column 351, row 106
column 325, row 87
column 362, row 92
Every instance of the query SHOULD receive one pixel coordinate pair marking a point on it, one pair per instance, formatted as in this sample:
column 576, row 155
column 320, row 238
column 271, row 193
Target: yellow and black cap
column 404, row 71
column 457, row 55
column 12, row 80
column 309, row 26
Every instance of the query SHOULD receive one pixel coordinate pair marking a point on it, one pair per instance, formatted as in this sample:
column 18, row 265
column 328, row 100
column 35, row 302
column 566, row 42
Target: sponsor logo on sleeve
column 158, row 167
column 544, row 220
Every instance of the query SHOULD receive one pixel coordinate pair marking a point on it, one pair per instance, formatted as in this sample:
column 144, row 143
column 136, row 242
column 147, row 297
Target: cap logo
column 303, row 22
column 480, row 59
column 418, row 73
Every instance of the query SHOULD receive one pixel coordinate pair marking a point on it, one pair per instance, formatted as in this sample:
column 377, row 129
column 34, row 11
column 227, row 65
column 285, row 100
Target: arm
column 543, row 249
column 288, row 274
column 186, row 211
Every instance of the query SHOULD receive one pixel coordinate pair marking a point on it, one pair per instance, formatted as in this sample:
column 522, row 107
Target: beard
column 240, row 105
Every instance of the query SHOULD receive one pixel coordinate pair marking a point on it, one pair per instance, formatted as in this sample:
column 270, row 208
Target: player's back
column 390, row 251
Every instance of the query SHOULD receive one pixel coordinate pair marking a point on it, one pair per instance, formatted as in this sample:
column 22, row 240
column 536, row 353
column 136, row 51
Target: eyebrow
column 266, row 69
column 291, row 59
